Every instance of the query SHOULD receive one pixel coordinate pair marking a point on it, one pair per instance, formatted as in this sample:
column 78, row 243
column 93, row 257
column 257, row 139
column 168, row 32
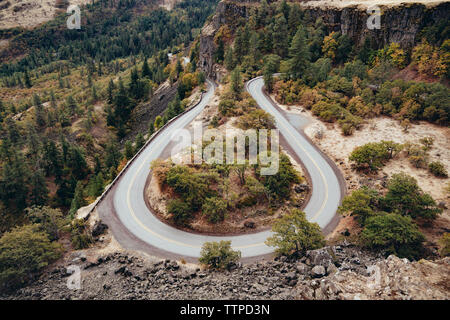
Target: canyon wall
column 399, row 23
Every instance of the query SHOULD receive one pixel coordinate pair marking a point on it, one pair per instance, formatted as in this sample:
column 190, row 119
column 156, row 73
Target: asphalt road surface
column 130, row 207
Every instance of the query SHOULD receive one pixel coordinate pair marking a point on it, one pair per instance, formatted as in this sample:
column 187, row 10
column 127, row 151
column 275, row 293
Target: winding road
column 125, row 211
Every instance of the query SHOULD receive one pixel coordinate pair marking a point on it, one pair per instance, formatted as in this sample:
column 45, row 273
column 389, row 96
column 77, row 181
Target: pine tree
column 121, row 104
column 280, row 36
column 140, row 141
column 146, row 72
column 129, row 152
column 39, row 190
column 78, row 199
column 112, row 155
column 294, row 19
column 38, row 111
column 27, row 80
column 229, row 59
column 151, row 129
column 236, row 85
column 220, row 52
column 110, row 91
column 299, row 54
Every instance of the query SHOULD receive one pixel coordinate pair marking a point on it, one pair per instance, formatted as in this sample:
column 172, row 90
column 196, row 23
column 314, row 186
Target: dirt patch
column 31, row 13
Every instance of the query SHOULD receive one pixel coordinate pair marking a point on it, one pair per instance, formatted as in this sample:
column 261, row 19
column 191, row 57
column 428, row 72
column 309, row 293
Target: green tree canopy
column 218, row 255
column 295, row 234
column 396, row 234
column 24, row 251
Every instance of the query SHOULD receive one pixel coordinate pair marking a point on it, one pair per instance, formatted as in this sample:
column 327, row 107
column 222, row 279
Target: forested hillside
column 66, row 98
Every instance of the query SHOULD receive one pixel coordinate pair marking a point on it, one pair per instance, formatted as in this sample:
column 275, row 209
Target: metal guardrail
column 125, row 168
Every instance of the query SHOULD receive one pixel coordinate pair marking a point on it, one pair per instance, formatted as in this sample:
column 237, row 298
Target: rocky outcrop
column 401, row 24
column 337, row 272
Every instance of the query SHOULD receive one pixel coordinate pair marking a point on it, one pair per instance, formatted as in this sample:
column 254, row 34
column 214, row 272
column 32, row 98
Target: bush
column 215, row 208
column 293, row 234
column 405, row 197
column 218, row 255
column 279, row 185
column 181, row 211
column 362, row 204
column 80, row 237
column 445, row 245
column 394, row 233
column 191, row 186
column 24, row 251
column 226, row 107
column 373, row 156
column 326, row 111
column 50, row 220
column 256, row 119
column 438, row 169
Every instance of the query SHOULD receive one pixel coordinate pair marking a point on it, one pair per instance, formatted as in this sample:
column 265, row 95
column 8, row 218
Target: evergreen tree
column 280, row 36
column 78, row 199
column 27, row 80
column 38, row 111
column 299, row 54
column 112, row 155
column 229, row 59
column 39, row 190
column 220, row 52
column 236, row 85
column 294, row 19
column 146, row 72
column 140, row 141
column 110, row 91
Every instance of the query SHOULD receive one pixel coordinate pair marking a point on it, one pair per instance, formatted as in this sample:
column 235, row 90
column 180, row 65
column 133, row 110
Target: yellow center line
column 198, row 247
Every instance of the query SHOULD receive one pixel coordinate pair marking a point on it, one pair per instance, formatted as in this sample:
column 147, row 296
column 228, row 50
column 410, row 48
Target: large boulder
column 318, row 271
column 322, row 257
column 99, row 228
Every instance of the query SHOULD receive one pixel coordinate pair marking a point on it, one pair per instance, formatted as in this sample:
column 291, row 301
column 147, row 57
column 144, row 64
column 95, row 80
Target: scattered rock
column 250, row 224
column 318, row 271
column 301, row 188
column 99, row 228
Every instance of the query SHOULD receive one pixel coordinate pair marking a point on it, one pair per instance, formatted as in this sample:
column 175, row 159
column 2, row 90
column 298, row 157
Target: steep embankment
column 337, row 272
column 400, row 22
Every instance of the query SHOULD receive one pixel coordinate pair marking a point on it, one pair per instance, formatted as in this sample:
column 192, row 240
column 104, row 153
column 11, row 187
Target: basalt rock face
column 227, row 13
column 335, row 272
column 400, row 24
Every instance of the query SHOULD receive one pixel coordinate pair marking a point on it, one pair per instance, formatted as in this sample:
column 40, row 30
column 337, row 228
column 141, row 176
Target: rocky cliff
column 335, row 272
column 400, row 23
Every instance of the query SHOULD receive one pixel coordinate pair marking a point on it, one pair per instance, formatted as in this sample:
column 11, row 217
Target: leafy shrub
column 181, row 211
column 50, row 220
column 218, row 255
column 256, row 119
column 215, row 208
column 24, row 251
column 394, row 233
column 227, row 107
column 362, row 204
column 437, row 168
column 445, row 245
column 279, row 184
column 372, row 156
column 326, row 111
column 405, row 197
column 191, row 186
column 80, row 237
column 293, row 233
